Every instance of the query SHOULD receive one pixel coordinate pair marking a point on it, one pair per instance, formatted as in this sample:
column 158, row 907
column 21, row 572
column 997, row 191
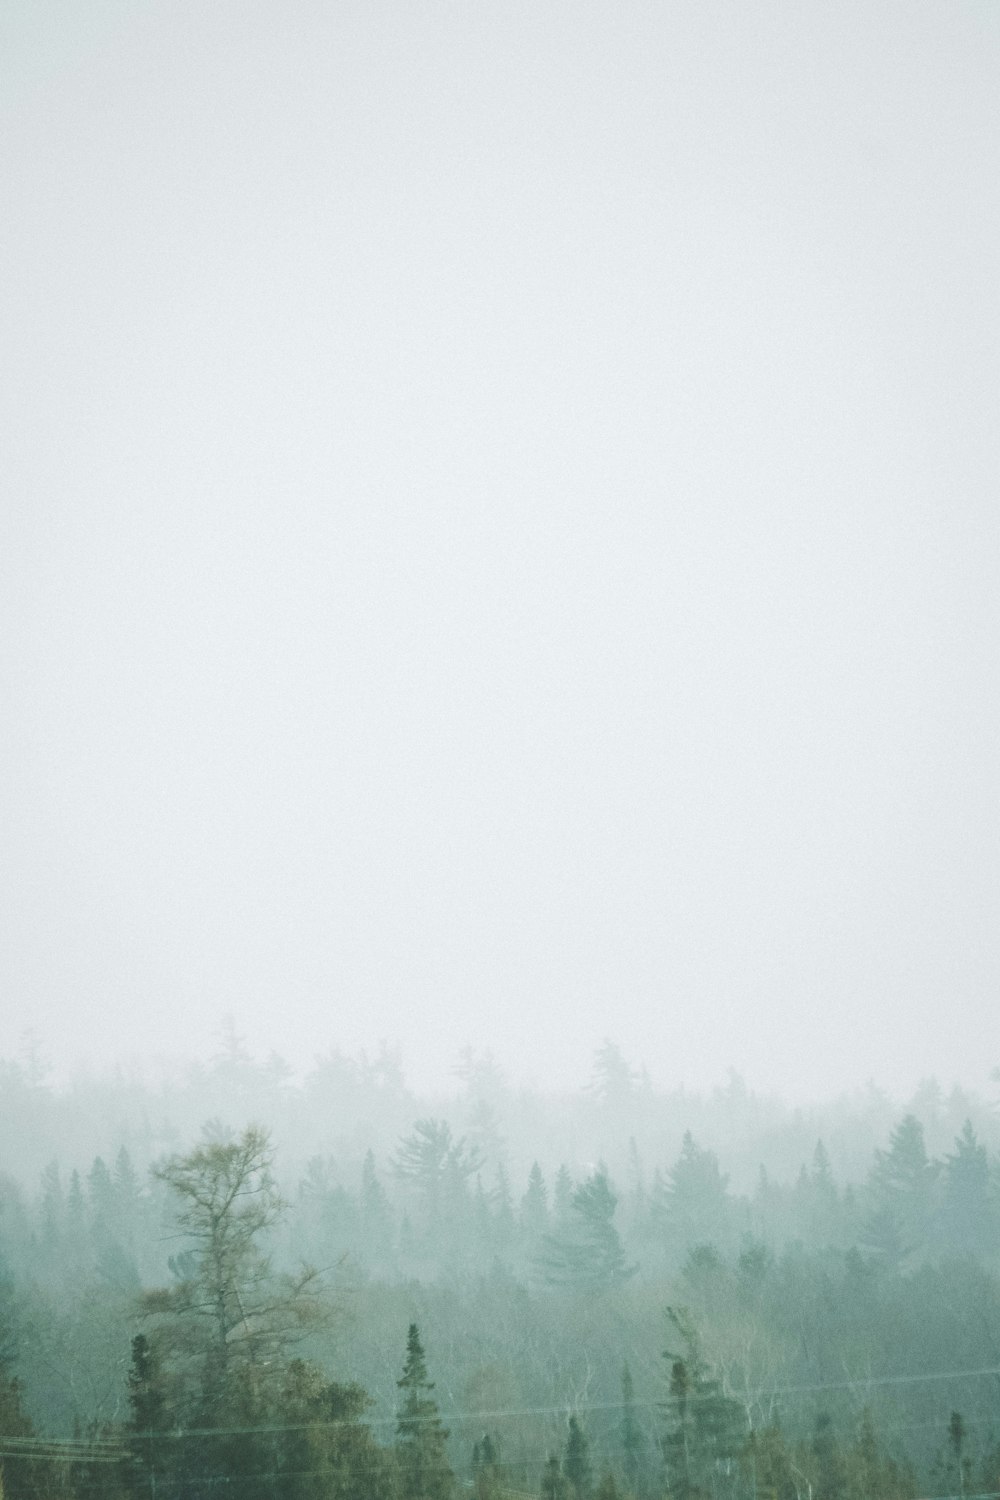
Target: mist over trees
column 333, row 1288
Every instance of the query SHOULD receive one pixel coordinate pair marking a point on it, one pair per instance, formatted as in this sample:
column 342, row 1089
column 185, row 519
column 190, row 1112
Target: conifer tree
column 576, row 1461
column 554, row 1486
column 704, row 1432
column 485, row 1468
column 587, row 1254
column 535, row 1205
column 631, row 1435
column 145, row 1439
column 424, row 1471
column 831, row 1477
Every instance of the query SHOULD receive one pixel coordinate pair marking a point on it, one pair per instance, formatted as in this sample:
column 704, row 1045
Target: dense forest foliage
column 235, row 1282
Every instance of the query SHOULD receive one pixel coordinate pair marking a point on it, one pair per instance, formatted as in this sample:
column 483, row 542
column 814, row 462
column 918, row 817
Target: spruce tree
column 576, row 1461
column 424, row 1471
column 145, row 1434
column 553, row 1484
column 631, row 1435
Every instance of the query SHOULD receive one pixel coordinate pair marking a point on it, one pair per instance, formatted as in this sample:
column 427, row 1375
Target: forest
column 233, row 1281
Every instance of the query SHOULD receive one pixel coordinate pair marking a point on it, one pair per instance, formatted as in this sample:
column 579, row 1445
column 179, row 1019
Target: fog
column 499, row 538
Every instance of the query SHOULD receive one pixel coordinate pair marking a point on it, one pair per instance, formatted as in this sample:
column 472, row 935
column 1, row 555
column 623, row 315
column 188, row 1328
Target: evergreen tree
column 576, row 1462
column 588, row 1254
column 768, row 1470
column 956, row 1438
column 503, row 1216
column 902, row 1190
column 323, row 1450
column 22, row 1476
column 424, row 1472
column 486, row 1468
column 535, row 1205
column 147, row 1457
column 562, row 1196
column 613, row 1082
column 870, row 1474
column 697, row 1204
column 969, row 1216
column 554, row 1486
column 705, row 1428
column 831, row 1474
column 632, row 1443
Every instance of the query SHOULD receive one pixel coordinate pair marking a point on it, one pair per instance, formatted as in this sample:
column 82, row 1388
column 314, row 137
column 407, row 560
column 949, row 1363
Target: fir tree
column 588, row 1254
column 144, row 1431
column 576, row 1461
column 631, row 1435
column 535, row 1205
column 553, row 1484
column 421, row 1453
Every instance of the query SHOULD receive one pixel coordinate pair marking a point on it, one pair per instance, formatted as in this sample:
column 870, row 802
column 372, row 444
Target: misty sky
column 500, row 533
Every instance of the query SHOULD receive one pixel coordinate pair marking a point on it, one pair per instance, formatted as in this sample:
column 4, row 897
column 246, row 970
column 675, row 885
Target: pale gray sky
column 500, row 535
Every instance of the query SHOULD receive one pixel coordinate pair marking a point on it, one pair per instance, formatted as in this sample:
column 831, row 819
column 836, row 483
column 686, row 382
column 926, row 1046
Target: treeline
column 437, row 1206
column 814, row 1312
column 223, row 1391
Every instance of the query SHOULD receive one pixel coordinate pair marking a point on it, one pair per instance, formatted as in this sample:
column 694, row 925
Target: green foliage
column 704, row 1431
column 323, row 1450
column 554, row 1486
column 229, row 1315
column 576, row 1462
column 633, row 1446
column 588, row 1255
column 694, row 1206
column 421, row 1452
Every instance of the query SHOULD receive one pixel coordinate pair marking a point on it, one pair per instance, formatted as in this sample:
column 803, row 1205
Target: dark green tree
column 705, row 1429
column 768, row 1470
column 871, row 1475
column 323, row 1449
column 486, row 1468
column 956, row 1439
column 148, row 1448
column 828, row 1461
column 421, row 1439
column 902, row 1191
column 576, row 1462
column 554, row 1486
column 633, row 1445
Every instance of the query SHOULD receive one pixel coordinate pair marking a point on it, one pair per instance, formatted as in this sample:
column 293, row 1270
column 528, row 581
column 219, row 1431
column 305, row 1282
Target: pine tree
column 421, row 1451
